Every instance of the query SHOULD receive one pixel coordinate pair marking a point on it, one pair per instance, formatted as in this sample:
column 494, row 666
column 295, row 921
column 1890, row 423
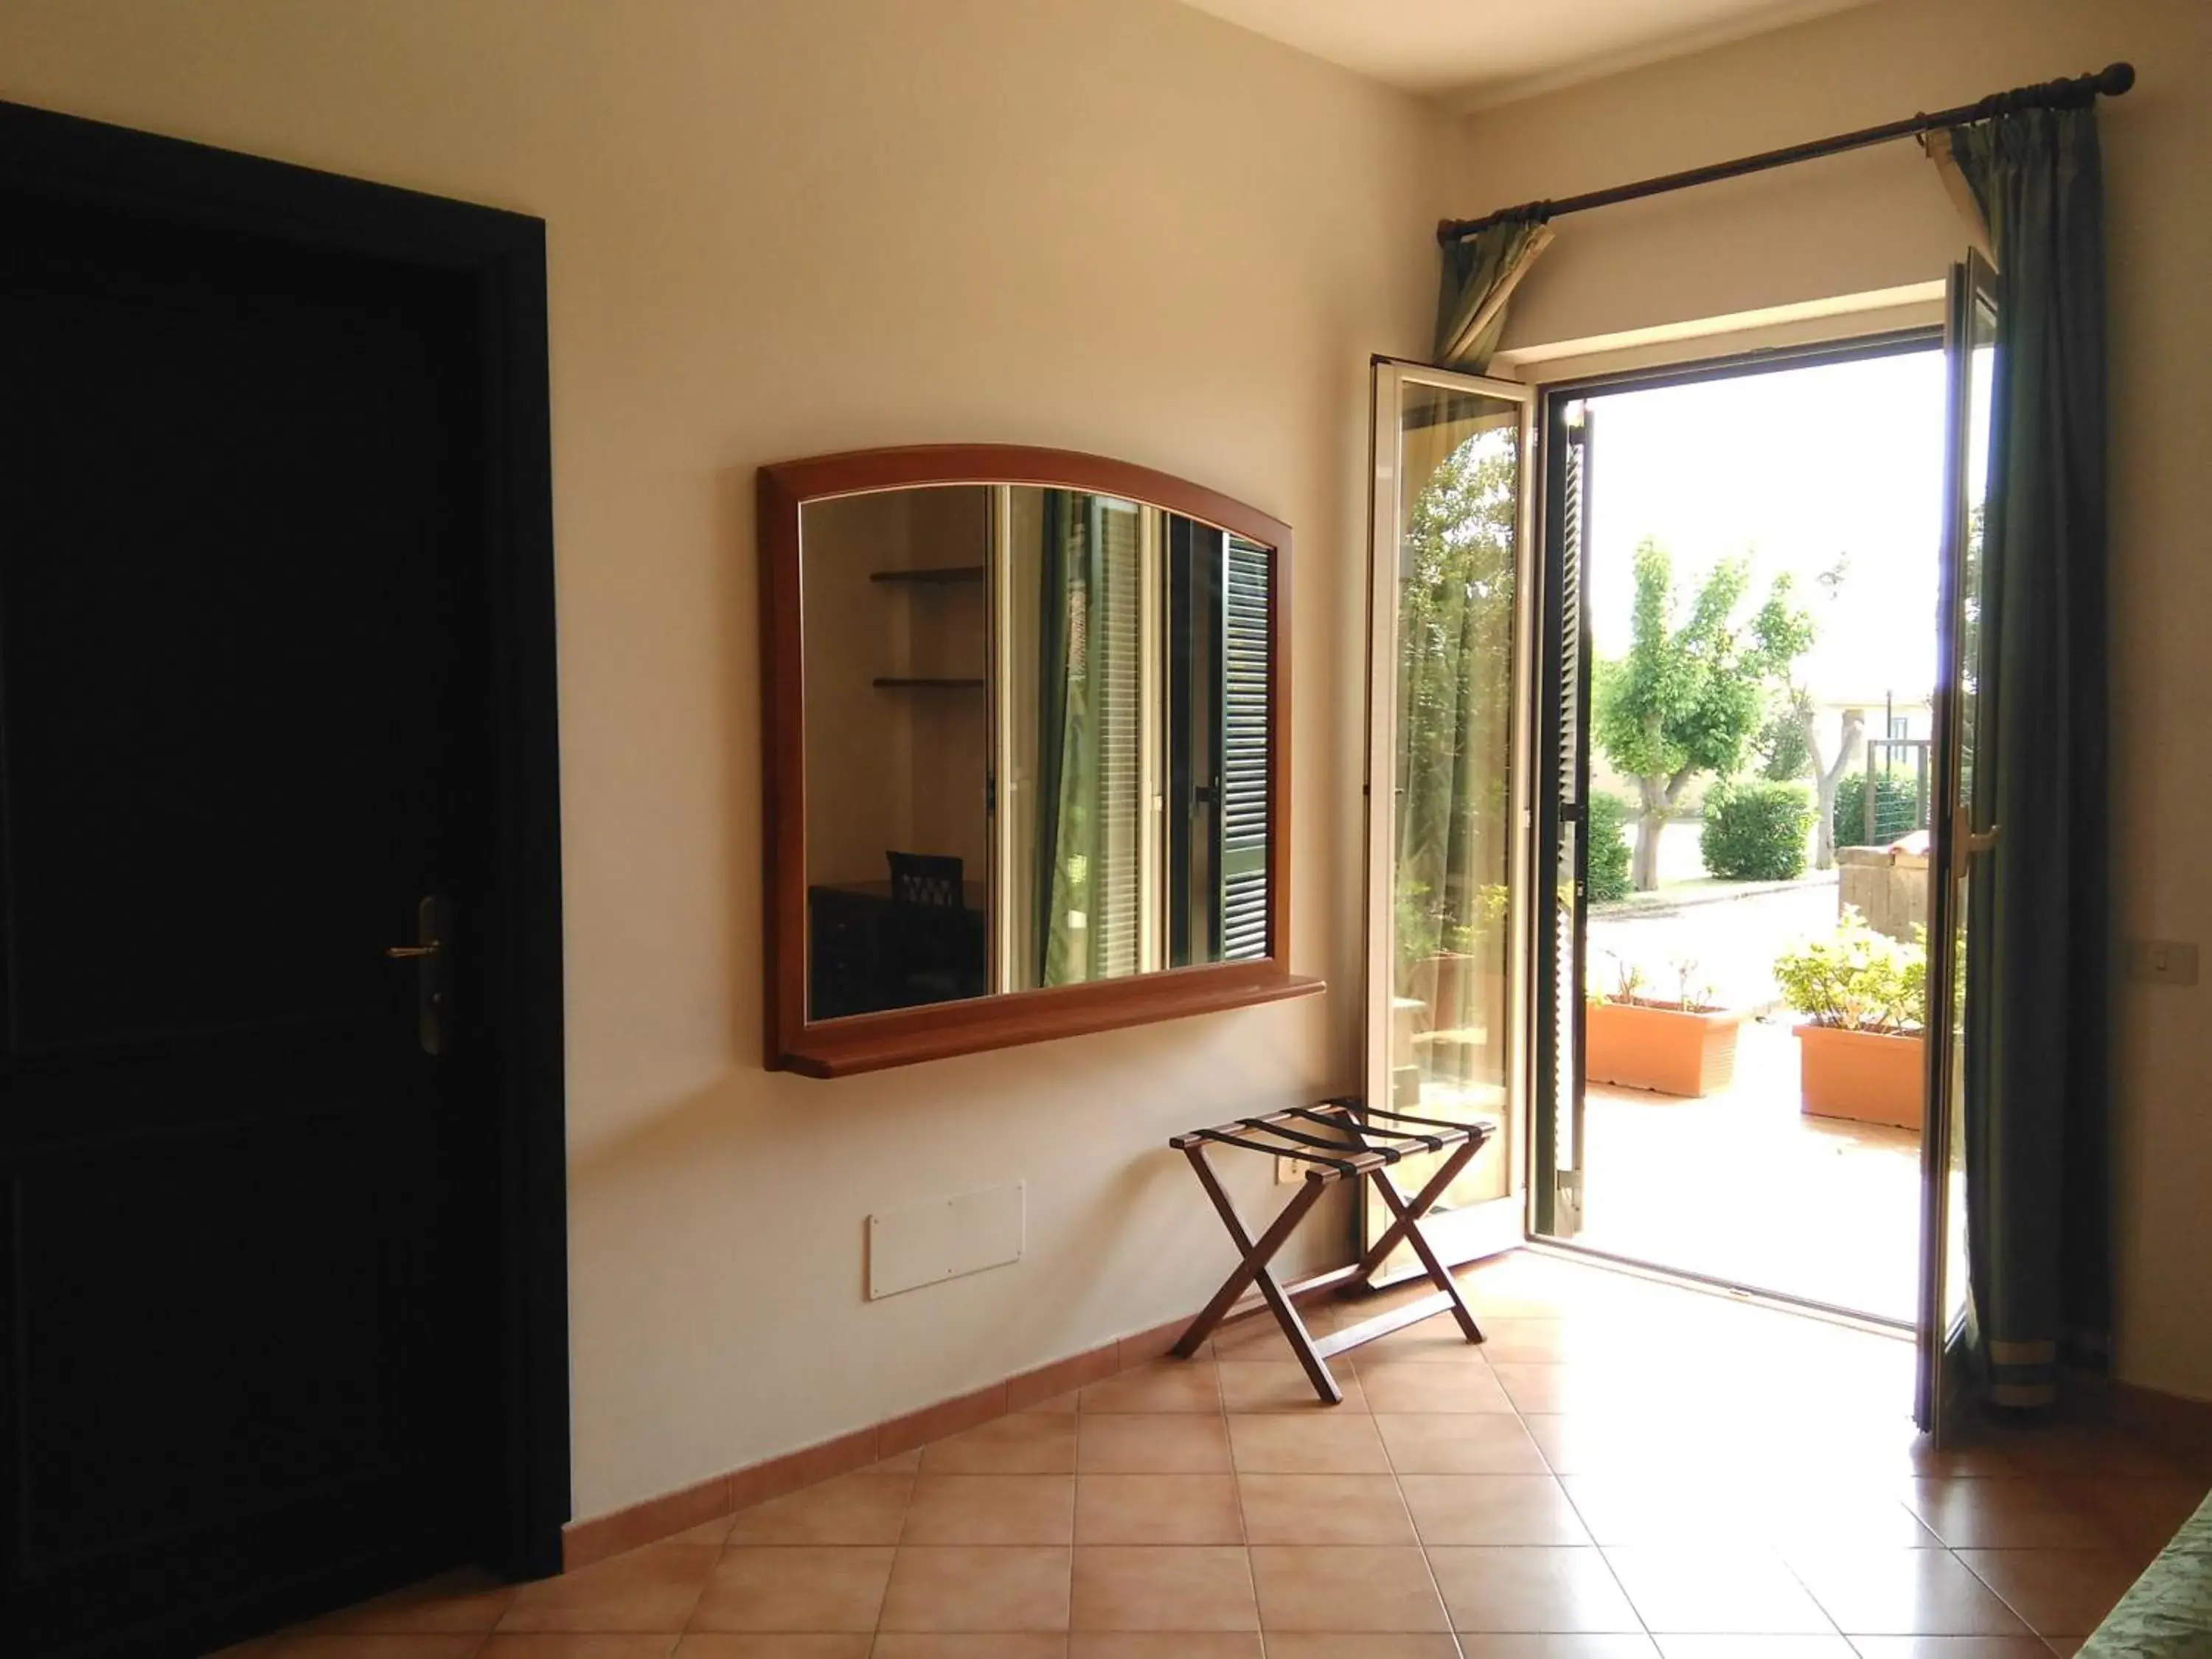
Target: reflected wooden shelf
column 893, row 682
column 937, row 576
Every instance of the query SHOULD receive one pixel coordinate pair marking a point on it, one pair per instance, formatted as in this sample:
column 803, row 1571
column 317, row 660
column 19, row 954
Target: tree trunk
column 1651, row 818
column 1826, row 775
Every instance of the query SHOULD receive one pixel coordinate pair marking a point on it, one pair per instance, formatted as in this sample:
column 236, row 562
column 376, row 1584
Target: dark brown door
column 243, row 1212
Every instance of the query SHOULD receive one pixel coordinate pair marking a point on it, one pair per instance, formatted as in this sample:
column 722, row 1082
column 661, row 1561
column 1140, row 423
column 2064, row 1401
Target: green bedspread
column 2167, row 1612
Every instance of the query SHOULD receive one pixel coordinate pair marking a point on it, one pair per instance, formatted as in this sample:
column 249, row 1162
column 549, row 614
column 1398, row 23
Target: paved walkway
column 1730, row 942
column 1742, row 1185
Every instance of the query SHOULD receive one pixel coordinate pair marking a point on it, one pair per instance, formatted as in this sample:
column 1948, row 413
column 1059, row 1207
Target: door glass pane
column 1452, row 838
column 1981, row 346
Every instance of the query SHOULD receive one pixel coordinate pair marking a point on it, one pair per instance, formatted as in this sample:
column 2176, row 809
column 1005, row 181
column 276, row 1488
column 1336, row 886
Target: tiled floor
column 1625, row 1471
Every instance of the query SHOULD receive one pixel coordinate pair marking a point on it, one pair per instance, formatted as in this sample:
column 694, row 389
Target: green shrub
column 1755, row 830
column 1858, row 979
column 1608, row 828
column 1896, row 809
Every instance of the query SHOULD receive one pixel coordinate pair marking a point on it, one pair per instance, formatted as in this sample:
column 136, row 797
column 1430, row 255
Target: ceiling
column 1472, row 52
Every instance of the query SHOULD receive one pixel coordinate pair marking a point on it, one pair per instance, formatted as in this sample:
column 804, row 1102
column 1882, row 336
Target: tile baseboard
column 651, row 1519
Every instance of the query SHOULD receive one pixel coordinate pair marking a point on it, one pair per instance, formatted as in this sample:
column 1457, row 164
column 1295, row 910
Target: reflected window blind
column 1244, row 753
column 1116, row 899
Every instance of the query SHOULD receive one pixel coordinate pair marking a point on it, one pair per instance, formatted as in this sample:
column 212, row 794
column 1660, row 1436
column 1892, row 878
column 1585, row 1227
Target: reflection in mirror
column 1037, row 743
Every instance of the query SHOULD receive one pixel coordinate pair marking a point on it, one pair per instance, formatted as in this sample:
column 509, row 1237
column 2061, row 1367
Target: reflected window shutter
column 1116, row 941
column 1244, row 863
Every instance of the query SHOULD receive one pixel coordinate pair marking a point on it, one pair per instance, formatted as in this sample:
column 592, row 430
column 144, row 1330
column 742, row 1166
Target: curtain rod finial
column 2115, row 79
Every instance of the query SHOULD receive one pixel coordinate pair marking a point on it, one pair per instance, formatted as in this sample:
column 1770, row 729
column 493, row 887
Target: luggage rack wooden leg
column 1408, row 1226
column 1254, row 1268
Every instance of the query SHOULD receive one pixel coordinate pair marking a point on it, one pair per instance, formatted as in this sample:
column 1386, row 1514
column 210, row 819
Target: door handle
column 1972, row 844
column 432, row 1005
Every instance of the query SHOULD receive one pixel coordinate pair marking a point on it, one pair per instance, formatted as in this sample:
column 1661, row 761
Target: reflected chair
column 929, row 930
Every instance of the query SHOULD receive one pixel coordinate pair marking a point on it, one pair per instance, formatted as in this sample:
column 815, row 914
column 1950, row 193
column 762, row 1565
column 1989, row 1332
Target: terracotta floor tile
column 1164, row 1385
column 1158, row 1509
column 453, row 1601
column 2143, row 1514
column 1553, row 1388
column 2009, row 1514
column 1163, row 1588
column 978, row 1588
column 1288, row 1443
column 991, row 1509
column 1337, row 1644
column 1163, row 1645
column 906, row 1462
column 1281, row 1385
column 1542, row 1589
column 1459, row 1442
column 1754, row 1647
column 1526, row 1341
column 809, row 1588
column 1151, row 1444
column 922, row 1645
column 652, row 1588
column 1716, row 1590
column 2057, row 1592
column 1358, row 1588
column 1437, row 1338
column 2083, row 1449
column 722, row 1644
column 853, row 1509
column 1491, row 1509
column 1628, row 1508
column 1027, row 1442
column 370, row 1645
column 716, row 1532
column 1599, row 1443
column 1420, row 1386
column 550, row 1645
column 1902, row 1593
column 1953, row 1647
column 1525, row 1645
column 1324, row 1509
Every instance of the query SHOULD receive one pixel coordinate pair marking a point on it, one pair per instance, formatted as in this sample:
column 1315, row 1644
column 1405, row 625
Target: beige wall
column 782, row 229
column 1879, row 219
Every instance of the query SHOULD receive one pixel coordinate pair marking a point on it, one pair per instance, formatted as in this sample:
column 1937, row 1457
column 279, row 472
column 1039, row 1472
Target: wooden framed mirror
column 1026, row 728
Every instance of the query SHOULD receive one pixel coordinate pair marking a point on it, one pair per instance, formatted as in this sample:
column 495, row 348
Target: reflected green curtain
column 1480, row 275
column 2037, row 1084
column 1068, row 763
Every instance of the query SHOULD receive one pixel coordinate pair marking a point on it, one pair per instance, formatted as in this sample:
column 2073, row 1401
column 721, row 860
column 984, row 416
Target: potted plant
column 1865, row 998
column 1681, row 1046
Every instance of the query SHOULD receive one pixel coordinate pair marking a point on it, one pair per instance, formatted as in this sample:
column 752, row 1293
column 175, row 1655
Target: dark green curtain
column 1480, row 275
column 2037, row 1089
column 1067, row 767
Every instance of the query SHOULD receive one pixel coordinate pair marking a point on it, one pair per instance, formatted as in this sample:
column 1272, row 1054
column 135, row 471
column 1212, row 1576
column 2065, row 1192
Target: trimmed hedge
column 1609, row 849
column 1755, row 830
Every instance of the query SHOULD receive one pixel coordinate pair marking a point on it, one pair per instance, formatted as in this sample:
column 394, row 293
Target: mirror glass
column 1037, row 743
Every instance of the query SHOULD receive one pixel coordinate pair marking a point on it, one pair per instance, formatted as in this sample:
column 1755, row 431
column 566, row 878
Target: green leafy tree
column 1456, row 600
column 1698, row 683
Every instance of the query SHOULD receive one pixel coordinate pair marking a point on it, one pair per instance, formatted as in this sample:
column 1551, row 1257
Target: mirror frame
column 902, row 1036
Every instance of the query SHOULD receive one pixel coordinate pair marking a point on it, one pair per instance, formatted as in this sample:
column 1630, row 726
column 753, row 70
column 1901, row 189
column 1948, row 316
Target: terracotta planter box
column 1662, row 1049
column 1868, row 1077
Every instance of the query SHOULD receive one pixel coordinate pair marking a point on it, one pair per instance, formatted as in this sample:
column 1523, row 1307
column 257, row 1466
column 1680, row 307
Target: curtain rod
column 2111, row 82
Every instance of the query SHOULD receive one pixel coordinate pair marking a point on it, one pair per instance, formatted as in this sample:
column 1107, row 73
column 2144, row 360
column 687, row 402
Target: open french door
column 1962, row 839
column 1451, row 614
